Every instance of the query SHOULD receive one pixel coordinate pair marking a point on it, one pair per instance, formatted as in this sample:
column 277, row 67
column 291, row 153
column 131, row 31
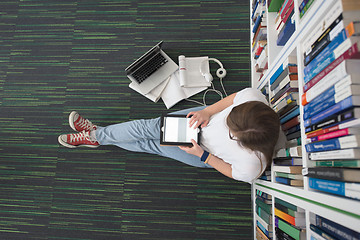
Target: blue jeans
column 144, row 136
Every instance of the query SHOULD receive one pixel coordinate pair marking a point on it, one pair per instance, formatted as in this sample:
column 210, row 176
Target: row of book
column 289, row 221
column 285, row 22
column 331, row 101
column 263, row 216
column 259, row 39
column 284, row 99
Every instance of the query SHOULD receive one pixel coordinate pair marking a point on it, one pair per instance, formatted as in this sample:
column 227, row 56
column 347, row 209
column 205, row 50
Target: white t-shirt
column 215, row 139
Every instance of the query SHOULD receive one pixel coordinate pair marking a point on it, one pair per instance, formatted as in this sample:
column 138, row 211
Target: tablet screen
column 176, row 129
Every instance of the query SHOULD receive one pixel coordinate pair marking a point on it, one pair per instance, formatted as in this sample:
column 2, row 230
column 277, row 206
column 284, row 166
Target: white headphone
column 221, row 72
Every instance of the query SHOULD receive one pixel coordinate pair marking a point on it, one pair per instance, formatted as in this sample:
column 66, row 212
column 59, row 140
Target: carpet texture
column 59, row 56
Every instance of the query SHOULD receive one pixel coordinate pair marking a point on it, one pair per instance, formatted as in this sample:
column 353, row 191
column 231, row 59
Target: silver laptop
column 151, row 69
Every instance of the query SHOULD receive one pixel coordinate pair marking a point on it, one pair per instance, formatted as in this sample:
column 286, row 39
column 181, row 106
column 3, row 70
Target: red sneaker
column 78, row 123
column 81, row 139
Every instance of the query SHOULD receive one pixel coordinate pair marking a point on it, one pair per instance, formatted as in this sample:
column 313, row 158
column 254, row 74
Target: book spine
column 289, row 13
column 333, row 144
column 286, row 89
column 335, row 229
column 333, row 79
column 323, row 40
column 286, row 33
column 321, row 232
column 336, row 154
column 340, row 85
column 283, row 181
column 302, row 5
column 328, row 186
column 277, row 74
column 307, row 6
column 262, row 228
column 286, row 217
column 335, row 134
column 318, row 62
column 257, row 23
column 292, row 231
column 291, row 115
column 335, row 187
column 338, row 163
column 330, row 16
column 291, row 123
column 332, row 56
column 333, row 121
column 352, row 52
column 335, row 174
column 344, row 104
column 264, row 206
column 277, row 81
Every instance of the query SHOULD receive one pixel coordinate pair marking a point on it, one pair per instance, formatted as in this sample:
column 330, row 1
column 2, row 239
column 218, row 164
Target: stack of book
column 340, row 181
column 263, row 216
column 259, row 40
column 266, row 175
column 304, row 6
column 289, row 221
column 331, row 98
column 284, row 22
column 284, row 98
column 323, row 228
column 288, row 166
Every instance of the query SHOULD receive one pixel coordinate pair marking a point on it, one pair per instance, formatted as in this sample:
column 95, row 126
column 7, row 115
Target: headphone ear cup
column 208, row 77
column 221, row 72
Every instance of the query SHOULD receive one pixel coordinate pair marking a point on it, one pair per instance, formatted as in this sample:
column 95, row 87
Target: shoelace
column 82, row 136
column 84, row 123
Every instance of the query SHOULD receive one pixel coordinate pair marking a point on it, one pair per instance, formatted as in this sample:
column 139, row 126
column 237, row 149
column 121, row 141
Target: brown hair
column 256, row 127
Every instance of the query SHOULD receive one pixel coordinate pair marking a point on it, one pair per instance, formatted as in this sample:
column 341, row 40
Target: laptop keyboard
column 149, row 68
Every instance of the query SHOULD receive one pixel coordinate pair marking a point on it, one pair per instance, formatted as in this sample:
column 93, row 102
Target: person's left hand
column 194, row 150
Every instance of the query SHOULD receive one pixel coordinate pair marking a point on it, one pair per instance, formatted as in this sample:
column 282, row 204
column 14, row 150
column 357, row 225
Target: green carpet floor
column 63, row 55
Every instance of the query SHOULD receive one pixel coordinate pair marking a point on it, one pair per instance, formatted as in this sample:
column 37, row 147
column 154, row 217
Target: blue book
column 344, row 189
column 290, row 115
column 321, row 107
column 319, row 99
column 333, row 144
column 257, row 23
column 335, row 187
column 335, row 109
column 262, row 228
column 324, row 58
column 286, row 33
column 254, row 10
column 340, row 38
column 291, row 61
column 335, row 229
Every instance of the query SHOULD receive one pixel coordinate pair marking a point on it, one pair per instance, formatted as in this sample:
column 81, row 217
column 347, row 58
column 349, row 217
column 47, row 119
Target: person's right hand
column 199, row 118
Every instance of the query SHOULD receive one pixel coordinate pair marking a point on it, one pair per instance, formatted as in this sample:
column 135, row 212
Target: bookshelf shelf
column 340, row 210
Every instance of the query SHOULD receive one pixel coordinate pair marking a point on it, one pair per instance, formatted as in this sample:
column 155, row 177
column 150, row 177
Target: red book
column 286, row 8
column 352, row 52
column 322, row 131
column 329, row 135
column 291, row 123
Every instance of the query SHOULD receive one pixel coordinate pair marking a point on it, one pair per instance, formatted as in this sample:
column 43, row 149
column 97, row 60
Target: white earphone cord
column 210, row 90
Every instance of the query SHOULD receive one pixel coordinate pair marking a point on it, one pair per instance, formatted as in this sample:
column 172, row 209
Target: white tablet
column 175, row 130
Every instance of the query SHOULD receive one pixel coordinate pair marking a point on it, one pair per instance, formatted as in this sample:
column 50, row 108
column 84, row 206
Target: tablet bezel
column 164, row 143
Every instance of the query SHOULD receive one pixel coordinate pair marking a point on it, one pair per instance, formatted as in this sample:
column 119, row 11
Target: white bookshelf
column 341, row 210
